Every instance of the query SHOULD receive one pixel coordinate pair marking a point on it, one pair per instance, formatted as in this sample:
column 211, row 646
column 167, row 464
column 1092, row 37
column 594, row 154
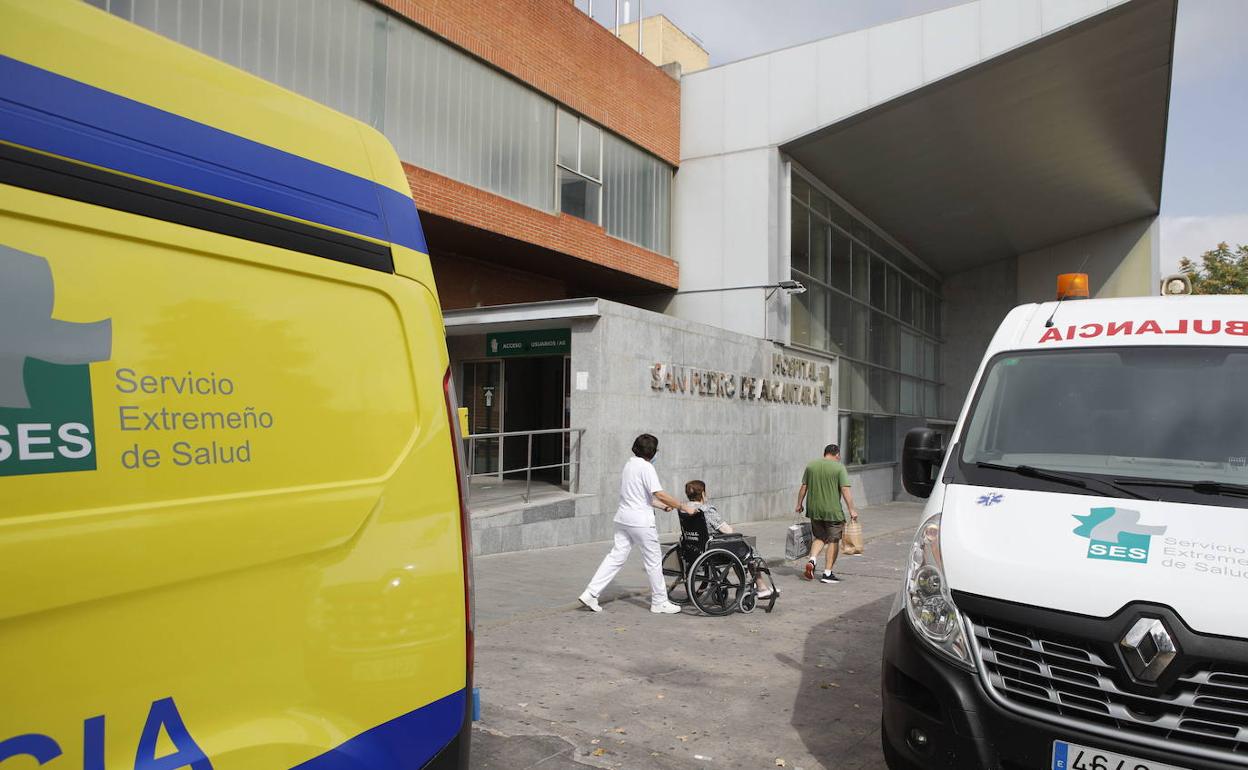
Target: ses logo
column 1116, row 534
column 46, row 420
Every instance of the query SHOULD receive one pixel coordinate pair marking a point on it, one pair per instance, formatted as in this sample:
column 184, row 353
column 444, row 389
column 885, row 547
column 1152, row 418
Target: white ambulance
column 1076, row 597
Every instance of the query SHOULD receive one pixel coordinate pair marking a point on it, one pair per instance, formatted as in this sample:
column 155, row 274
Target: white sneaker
column 590, row 601
column 666, row 608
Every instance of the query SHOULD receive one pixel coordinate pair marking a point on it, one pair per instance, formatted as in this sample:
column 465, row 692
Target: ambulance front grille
column 1205, row 712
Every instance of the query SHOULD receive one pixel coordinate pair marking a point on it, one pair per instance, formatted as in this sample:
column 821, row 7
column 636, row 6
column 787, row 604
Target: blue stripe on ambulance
column 403, row 743
column 58, row 115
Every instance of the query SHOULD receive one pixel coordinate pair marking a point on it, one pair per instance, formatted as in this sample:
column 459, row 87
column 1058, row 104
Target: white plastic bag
column 797, row 544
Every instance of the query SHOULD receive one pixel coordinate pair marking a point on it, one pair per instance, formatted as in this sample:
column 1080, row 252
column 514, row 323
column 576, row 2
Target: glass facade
column 450, row 113
column 876, row 309
column 442, row 109
column 636, row 195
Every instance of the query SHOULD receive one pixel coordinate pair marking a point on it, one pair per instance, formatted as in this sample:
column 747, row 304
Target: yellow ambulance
column 231, row 524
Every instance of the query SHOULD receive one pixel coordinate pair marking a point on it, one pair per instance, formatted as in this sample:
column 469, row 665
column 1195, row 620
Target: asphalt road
column 566, row 688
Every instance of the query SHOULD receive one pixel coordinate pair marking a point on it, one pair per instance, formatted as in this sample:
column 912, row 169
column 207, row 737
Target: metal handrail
column 525, row 433
column 574, row 478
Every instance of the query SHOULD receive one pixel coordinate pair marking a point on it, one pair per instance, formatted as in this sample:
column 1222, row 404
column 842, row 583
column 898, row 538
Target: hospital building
column 749, row 260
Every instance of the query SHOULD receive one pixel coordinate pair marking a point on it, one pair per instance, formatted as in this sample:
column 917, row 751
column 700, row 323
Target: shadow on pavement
column 837, row 711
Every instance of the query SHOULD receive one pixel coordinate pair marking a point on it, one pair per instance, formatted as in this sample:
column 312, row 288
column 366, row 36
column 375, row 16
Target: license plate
column 1072, row 756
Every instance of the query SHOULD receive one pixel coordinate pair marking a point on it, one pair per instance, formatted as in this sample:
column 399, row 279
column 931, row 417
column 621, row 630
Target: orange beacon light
column 1072, row 286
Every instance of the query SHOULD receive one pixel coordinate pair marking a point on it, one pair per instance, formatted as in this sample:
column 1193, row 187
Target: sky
column 1205, row 185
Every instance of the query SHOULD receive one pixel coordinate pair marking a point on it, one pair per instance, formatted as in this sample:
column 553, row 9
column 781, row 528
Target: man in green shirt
column 823, row 484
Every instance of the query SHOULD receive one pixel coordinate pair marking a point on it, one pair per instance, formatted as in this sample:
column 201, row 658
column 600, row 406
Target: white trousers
column 645, row 538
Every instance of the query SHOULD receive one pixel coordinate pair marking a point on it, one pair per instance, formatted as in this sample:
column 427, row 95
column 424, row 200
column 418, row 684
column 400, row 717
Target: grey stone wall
column 750, row 454
column 1120, row 262
column 975, row 301
column 873, row 486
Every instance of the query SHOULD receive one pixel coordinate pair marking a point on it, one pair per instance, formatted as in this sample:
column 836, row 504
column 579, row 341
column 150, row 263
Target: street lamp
column 788, row 287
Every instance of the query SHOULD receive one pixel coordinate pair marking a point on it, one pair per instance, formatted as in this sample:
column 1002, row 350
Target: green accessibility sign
column 540, row 342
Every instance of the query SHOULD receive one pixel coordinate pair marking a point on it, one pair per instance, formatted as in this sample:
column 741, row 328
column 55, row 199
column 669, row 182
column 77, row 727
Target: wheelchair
column 716, row 574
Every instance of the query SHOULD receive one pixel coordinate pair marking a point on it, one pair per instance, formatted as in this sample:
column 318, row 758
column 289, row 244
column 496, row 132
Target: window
column 801, row 189
column 580, row 167
column 569, row 141
column 883, row 391
column 879, row 286
column 853, row 386
column 858, row 274
column 591, row 150
column 819, row 249
column 799, row 243
column 883, row 349
column 909, row 362
column 1170, row 415
column 911, row 393
column 897, row 290
column 838, row 324
column 854, row 439
column 859, row 327
column 866, row 439
column 932, row 403
column 881, row 439
column 873, row 305
column 799, row 328
column 818, row 317
column 840, row 261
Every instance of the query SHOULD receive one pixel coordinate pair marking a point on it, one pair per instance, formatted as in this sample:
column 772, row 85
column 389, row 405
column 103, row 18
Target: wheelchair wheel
column 674, row 575
column 716, row 582
column 749, row 600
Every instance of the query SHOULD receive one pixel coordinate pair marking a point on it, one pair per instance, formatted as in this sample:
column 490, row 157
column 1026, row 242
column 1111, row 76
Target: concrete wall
column 874, row 485
column 750, row 454
column 975, row 302
column 769, row 99
column 1121, row 261
column 728, row 234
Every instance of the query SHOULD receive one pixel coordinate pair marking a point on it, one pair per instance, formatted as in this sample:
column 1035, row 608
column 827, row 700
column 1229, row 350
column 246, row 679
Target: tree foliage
column 1220, row 271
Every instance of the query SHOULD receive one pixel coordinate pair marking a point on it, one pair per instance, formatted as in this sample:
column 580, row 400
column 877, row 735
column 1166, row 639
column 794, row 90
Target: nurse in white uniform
column 640, row 494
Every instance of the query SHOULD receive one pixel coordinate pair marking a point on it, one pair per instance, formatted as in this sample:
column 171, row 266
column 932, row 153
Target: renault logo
column 1148, row 649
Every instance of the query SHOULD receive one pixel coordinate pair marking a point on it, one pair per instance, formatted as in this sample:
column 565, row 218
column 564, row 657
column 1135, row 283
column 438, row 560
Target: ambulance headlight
column 929, row 605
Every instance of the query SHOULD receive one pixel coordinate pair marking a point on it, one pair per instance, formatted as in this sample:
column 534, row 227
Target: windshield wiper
column 1201, row 487
column 1070, row 479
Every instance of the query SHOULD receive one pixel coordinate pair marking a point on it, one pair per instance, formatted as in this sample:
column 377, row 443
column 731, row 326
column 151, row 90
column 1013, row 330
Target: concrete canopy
column 1052, row 140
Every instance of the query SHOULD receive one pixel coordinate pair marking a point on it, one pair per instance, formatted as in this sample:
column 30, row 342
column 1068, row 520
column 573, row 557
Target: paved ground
column 563, row 688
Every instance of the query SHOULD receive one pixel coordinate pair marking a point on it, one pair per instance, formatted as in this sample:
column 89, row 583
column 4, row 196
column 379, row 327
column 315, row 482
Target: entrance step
column 502, row 521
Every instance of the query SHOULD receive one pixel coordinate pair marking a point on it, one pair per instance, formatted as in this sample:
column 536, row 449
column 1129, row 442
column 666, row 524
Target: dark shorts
column 827, row 531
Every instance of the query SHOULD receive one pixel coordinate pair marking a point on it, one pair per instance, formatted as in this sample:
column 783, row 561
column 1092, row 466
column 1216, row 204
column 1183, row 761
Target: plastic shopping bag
column 797, row 544
column 851, row 540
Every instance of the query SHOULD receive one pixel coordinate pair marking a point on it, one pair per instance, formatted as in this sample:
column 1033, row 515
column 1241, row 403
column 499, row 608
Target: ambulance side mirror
column 921, row 455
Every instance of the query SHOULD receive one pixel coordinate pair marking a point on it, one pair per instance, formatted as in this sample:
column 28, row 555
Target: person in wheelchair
column 695, row 493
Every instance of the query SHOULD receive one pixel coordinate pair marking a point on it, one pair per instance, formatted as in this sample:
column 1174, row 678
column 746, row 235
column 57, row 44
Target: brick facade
column 444, row 197
column 560, row 51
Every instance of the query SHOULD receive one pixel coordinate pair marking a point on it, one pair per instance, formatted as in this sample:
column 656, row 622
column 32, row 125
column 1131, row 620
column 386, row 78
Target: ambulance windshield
column 1160, row 414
